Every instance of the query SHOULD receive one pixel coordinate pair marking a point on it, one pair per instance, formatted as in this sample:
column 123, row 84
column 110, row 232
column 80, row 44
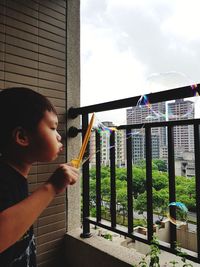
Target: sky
column 135, row 47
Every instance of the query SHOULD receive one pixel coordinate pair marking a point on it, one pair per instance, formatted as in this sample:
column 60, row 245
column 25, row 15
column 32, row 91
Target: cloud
column 124, row 42
column 115, row 73
column 184, row 21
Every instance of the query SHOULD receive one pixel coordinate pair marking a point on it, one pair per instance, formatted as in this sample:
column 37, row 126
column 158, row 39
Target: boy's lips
column 61, row 149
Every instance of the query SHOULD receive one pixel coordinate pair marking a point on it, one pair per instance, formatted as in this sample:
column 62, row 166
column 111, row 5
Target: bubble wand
column 76, row 162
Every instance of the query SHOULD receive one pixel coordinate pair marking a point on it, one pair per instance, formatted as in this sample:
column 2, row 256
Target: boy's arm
column 16, row 220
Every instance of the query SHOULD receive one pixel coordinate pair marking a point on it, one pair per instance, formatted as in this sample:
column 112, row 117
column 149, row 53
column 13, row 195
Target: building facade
column 141, row 115
column 105, row 146
column 183, row 135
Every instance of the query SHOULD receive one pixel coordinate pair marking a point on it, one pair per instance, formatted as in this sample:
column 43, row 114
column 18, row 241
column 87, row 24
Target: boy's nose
column 59, row 137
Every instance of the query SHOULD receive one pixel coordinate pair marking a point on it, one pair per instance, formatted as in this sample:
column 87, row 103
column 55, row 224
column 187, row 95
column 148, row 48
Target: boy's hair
column 20, row 107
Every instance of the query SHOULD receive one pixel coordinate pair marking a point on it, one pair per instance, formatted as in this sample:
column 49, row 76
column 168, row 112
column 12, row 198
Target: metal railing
column 173, row 94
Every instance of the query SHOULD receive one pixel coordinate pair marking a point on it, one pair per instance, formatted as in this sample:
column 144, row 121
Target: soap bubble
column 158, row 82
column 180, row 211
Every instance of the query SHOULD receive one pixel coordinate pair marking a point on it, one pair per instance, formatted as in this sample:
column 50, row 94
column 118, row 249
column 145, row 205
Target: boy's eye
column 52, row 128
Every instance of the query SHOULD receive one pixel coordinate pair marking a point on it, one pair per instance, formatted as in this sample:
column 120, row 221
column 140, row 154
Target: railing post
column 197, row 176
column 172, row 184
column 112, row 180
column 98, row 177
column 129, row 180
column 149, row 183
column 86, row 186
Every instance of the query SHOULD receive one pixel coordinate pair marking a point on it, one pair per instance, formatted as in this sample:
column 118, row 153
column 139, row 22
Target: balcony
column 143, row 235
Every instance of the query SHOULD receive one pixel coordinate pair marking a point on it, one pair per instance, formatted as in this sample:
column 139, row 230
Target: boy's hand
column 63, row 176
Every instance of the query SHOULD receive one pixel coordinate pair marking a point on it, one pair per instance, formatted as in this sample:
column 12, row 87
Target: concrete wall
column 73, row 100
column 186, row 238
column 97, row 251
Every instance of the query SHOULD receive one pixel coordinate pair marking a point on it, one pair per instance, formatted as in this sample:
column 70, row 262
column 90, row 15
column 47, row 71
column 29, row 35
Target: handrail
column 172, row 94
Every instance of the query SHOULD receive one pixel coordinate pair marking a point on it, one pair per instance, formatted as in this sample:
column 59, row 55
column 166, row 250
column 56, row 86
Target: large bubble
column 162, row 81
column 158, row 82
column 180, row 211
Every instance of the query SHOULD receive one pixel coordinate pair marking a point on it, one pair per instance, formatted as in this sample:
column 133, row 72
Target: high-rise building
column 105, row 146
column 141, row 115
column 183, row 135
column 138, row 147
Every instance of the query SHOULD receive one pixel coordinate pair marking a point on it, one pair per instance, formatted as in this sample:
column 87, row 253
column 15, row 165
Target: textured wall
column 34, row 53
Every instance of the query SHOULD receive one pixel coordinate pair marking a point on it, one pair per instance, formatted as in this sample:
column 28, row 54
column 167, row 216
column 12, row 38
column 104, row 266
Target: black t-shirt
column 13, row 189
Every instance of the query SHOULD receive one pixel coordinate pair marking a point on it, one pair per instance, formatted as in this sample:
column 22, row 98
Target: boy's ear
column 20, row 136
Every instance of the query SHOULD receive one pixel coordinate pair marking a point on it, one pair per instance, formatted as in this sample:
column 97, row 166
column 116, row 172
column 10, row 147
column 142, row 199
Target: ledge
column 95, row 251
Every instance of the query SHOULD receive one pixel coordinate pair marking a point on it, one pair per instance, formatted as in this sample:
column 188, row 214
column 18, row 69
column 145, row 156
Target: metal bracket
column 73, row 131
column 71, row 113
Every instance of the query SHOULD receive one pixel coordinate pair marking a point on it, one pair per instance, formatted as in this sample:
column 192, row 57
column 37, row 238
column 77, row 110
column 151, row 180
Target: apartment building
column 183, row 135
column 105, row 146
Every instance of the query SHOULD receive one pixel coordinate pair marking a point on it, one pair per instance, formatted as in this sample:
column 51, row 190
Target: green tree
column 186, row 192
column 121, row 174
column 93, row 173
column 139, row 181
column 160, row 180
column 92, row 192
column 122, row 202
column 160, row 202
column 105, row 172
column 105, row 189
column 140, row 203
column 161, row 164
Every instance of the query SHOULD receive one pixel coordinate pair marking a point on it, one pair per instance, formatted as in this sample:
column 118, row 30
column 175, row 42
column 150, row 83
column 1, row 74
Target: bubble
column 144, row 100
column 154, row 114
column 165, row 81
column 194, row 88
column 85, row 159
column 181, row 212
column 157, row 82
column 101, row 127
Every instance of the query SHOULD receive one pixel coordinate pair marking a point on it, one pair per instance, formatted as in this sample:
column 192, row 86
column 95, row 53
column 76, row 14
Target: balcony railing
column 173, row 94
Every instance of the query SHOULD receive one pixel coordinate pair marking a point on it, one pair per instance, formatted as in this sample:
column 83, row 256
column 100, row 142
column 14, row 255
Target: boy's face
column 46, row 142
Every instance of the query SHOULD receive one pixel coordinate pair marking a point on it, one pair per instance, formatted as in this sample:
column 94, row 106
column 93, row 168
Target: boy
column 28, row 134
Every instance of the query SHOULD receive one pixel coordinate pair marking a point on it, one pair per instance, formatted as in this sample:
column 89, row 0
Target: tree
column 139, row 181
column 161, row 165
column 92, row 192
column 160, row 180
column 160, row 202
column 93, row 173
column 186, row 192
column 122, row 202
column 185, row 189
column 105, row 189
column 141, row 164
column 140, row 203
column 121, row 174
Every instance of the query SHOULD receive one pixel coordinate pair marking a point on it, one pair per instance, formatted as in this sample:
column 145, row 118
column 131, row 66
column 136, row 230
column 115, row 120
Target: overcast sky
column 133, row 47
